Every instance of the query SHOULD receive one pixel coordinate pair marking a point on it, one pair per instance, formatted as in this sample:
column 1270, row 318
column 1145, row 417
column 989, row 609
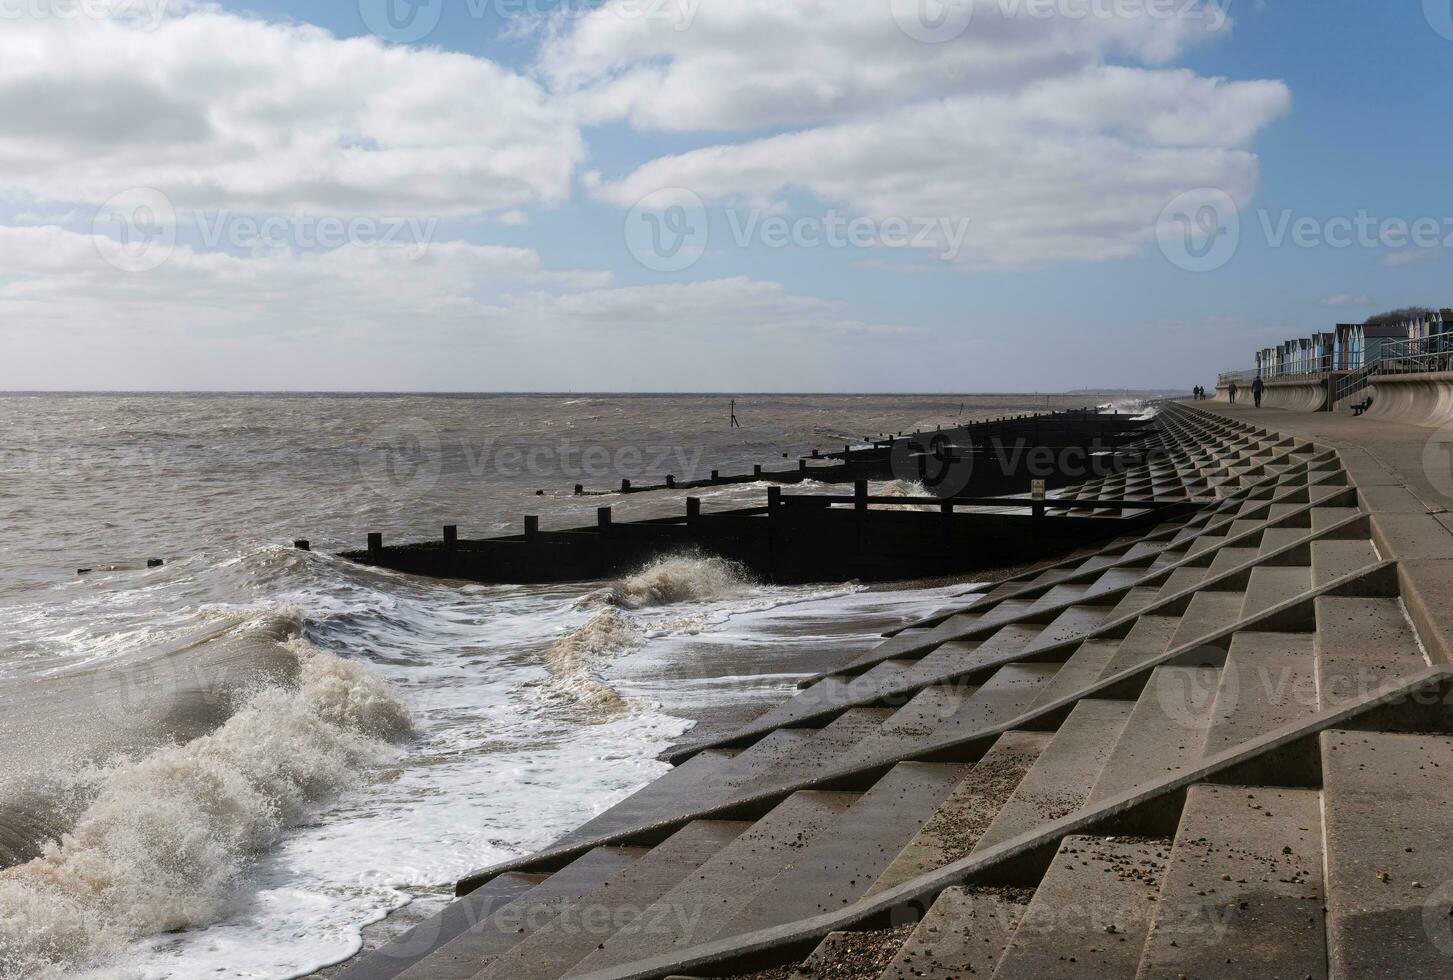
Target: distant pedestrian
column 1231, row 390
column 1257, row 387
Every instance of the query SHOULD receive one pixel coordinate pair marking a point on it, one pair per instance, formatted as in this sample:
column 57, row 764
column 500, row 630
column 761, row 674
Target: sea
column 250, row 759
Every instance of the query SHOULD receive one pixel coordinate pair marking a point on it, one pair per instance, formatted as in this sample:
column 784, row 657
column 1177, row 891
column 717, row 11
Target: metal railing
column 1417, row 356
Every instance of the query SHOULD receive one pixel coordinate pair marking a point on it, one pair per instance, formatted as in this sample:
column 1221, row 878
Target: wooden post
column 154, row 563
column 716, row 476
column 451, row 536
column 302, row 545
column 693, row 509
column 625, row 486
column 774, row 499
column 375, row 543
column 757, row 469
column 802, row 466
column 860, row 495
column 532, row 526
column 602, row 517
column 579, row 489
column 670, row 482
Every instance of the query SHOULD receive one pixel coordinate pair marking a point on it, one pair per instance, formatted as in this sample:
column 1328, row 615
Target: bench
column 1359, row 407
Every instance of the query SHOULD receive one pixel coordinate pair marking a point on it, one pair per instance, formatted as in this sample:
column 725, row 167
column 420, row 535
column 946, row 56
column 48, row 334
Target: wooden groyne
column 1217, row 747
column 812, row 537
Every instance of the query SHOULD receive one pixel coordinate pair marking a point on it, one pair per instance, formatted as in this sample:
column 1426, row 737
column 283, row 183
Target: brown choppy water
column 254, row 751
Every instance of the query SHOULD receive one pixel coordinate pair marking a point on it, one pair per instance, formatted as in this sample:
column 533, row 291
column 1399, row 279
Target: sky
column 708, row 195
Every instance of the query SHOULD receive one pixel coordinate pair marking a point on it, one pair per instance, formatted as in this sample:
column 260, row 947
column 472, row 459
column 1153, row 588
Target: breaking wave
column 574, row 658
column 165, row 838
column 673, row 579
column 903, row 488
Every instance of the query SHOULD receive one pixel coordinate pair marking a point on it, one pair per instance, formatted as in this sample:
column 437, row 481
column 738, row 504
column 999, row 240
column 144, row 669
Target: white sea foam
column 166, row 837
column 673, row 579
column 574, row 659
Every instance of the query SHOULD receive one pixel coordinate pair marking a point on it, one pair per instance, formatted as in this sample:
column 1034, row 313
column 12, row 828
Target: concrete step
column 691, row 912
column 1362, row 644
column 822, row 749
column 1134, row 601
column 1207, row 612
column 1072, row 624
column 1270, row 680
column 831, row 692
column 1165, row 732
column 1275, row 538
column 1005, row 696
column 585, row 923
column 1082, row 669
column 1147, row 639
column 1324, row 517
column 846, row 859
column 1242, row 525
column 676, row 791
column 911, row 723
column 1333, row 559
column 1273, row 585
column 1243, row 893
column 1114, row 578
column 1090, row 914
column 1058, row 596
column 1278, row 511
column 1186, row 577
column 471, row 951
column 1229, row 558
column 957, row 824
column 455, row 919
column 1062, row 777
column 964, row 934
column 1387, row 805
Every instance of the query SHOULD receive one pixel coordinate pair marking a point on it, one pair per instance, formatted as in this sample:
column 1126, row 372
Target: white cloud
column 221, row 111
column 745, row 64
column 1340, row 300
column 202, row 317
column 1406, row 257
column 1072, row 168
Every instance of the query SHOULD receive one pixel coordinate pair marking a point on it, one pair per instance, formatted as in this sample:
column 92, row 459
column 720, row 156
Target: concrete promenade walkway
column 1405, row 474
column 1220, row 748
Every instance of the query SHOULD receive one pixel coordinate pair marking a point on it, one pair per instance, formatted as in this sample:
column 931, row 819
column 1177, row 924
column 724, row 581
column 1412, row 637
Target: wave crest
column 673, row 579
column 165, row 838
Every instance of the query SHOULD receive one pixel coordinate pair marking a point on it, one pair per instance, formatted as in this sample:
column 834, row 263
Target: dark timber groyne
column 807, row 537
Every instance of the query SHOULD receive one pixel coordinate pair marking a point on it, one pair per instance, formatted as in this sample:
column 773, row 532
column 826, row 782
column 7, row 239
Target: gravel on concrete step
column 1090, row 914
column 1243, row 894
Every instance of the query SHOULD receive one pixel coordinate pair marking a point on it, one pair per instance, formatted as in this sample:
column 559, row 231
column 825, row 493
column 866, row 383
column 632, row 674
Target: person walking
column 1257, row 387
column 1231, row 390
